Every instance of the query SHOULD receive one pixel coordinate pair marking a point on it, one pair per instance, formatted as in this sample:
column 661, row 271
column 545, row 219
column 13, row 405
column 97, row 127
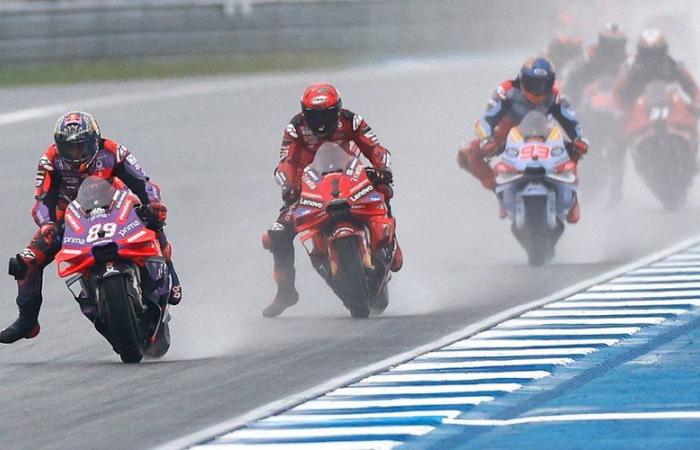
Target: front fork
column 346, row 230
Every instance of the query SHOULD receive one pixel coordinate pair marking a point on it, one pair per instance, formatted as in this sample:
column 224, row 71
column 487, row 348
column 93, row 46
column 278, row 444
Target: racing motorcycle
column 116, row 269
column 599, row 112
column 346, row 228
column 662, row 132
column 536, row 183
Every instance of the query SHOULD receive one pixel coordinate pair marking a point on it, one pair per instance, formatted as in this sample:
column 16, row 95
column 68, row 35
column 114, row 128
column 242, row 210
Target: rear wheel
column 121, row 318
column 350, row 281
column 667, row 166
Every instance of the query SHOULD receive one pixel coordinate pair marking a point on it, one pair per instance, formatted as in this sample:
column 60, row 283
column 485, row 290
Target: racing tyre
column 121, row 318
column 540, row 241
column 350, row 282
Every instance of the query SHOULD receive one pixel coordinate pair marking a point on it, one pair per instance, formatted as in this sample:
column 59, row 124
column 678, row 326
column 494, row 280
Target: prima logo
column 129, row 228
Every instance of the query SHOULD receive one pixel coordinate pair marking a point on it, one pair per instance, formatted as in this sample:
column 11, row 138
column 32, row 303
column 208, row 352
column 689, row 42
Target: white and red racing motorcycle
column 536, row 183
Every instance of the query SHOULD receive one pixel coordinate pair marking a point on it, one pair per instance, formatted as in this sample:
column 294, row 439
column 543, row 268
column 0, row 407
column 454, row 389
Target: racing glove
column 48, row 232
column 488, row 146
column 290, row 195
column 579, row 148
column 153, row 215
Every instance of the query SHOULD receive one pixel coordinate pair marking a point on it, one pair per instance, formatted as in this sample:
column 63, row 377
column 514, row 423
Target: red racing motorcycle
column 118, row 274
column 663, row 134
column 347, row 229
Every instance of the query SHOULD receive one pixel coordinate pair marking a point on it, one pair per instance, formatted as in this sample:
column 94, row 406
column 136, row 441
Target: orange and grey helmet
column 321, row 105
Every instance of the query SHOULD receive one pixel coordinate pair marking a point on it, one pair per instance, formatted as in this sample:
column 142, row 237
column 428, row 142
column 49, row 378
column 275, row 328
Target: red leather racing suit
column 299, row 146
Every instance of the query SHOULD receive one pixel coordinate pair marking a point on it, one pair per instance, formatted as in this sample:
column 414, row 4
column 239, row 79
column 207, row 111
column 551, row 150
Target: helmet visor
column 322, row 120
column 537, row 85
column 77, row 152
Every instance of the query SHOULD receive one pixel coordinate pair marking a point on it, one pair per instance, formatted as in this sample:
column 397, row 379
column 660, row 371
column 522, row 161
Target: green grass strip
column 163, row 67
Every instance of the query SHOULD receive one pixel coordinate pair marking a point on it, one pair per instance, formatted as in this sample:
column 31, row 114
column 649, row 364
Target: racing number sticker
column 534, row 152
column 109, row 230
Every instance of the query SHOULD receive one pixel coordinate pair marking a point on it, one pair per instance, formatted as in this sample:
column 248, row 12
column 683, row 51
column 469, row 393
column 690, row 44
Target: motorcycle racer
column 604, row 58
column 652, row 62
column 79, row 151
column 322, row 119
column 532, row 89
column 564, row 49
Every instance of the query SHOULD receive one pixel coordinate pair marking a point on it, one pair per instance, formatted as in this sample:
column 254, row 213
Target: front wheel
column 350, row 281
column 121, row 318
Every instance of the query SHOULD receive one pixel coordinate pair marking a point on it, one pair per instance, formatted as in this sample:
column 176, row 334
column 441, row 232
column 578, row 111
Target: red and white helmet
column 321, row 105
column 652, row 45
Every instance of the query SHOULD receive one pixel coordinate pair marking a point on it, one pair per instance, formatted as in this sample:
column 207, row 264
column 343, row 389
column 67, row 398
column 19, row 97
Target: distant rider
column 652, row 62
column 604, row 58
column 79, row 151
column 564, row 49
column 322, row 119
column 532, row 90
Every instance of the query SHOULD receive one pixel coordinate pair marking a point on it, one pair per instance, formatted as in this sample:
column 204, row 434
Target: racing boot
column 25, row 327
column 287, row 294
column 574, row 213
column 397, row 263
column 176, row 289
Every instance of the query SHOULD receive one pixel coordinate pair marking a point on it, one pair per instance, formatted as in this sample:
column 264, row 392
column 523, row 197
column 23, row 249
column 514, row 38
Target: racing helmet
column 77, row 137
column 563, row 49
column 321, row 105
column 537, row 77
column 612, row 42
column 651, row 46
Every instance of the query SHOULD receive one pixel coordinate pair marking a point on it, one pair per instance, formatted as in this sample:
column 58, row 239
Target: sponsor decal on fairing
column 358, row 195
column 310, row 203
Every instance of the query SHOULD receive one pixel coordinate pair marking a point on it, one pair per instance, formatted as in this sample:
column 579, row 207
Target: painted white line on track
column 529, row 343
column 479, row 331
column 548, row 321
column 629, row 295
column 398, row 377
column 418, row 365
column 321, row 405
column 656, row 279
column 666, row 270
column 617, row 287
column 676, row 264
column 613, row 331
column 418, row 390
column 303, row 418
column 267, row 434
column 334, row 445
column 552, row 351
column 603, row 312
column 590, row 417
column 623, row 304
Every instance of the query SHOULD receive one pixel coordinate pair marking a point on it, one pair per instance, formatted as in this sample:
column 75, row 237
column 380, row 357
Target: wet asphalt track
column 212, row 145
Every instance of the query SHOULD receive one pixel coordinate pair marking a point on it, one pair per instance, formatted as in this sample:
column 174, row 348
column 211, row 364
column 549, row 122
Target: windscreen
column 95, row 192
column 535, row 125
column 331, row 157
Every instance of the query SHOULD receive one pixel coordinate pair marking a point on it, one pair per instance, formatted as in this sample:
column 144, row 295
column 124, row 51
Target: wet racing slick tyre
column 121, row 318
column 539, row 240
column 350, row 281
